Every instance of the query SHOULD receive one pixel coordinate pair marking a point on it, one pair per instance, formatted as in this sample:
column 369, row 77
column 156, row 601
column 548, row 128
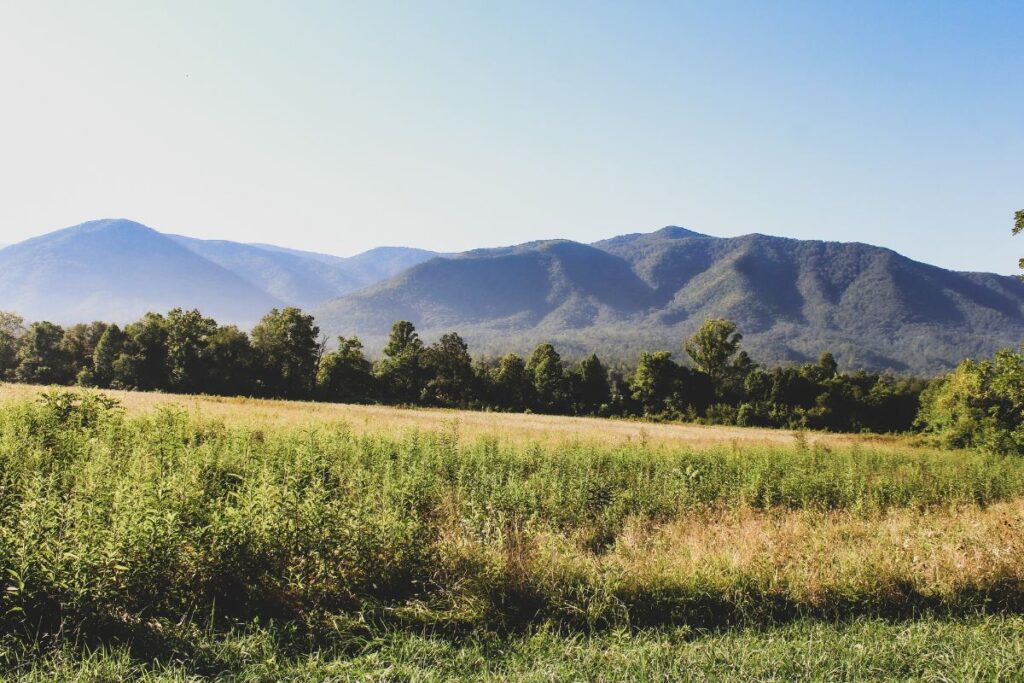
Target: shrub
column 980, row 404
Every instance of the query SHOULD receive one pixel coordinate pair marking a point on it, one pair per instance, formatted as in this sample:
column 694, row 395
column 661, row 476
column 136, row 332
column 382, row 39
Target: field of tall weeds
column 128, row 529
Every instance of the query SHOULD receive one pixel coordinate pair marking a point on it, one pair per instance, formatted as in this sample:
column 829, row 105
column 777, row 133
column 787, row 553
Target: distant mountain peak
column 116, row 269
column 109, row 227
column 676, row 232
column 669, row 232
column 104, row 223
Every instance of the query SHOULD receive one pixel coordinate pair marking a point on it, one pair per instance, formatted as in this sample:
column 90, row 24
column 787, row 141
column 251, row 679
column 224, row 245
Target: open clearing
column 510, row 427
column 241, row 539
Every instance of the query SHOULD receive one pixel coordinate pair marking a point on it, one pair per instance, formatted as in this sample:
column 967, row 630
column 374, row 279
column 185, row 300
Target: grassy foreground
column 978, row 649
column 165, row 544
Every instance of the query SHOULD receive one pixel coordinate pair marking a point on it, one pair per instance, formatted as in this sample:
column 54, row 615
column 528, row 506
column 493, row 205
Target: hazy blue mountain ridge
column 117, row 269
column 304, row 278
column 791, row 298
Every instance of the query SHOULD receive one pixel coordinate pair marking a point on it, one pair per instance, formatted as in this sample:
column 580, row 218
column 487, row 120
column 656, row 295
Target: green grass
column 980, row 649
column 160, row 545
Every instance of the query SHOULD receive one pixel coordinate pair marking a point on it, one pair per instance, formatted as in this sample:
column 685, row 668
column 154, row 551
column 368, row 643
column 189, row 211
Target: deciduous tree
column 345, row 375
column 448, row 369
column 188, row 335
column 512, row 384
column 143, row 362
column 713, row 346
column 12, row 327
column 980, row 404
column 287, row 345
column 108, row 350
column 590, row 387
column 41, row 358
column 401, row 371
column 715, row 350
column 655, row 382
column 229, row 362
column 549, row 383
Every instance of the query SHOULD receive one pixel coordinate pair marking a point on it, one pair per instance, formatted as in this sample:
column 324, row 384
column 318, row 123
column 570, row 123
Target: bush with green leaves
column 979, row 405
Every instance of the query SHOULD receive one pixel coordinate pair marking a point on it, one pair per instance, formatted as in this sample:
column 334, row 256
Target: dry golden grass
column 511, row 427
column 802, row 557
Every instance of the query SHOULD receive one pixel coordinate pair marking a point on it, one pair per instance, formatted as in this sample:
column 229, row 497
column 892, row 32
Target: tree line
column 284, row 356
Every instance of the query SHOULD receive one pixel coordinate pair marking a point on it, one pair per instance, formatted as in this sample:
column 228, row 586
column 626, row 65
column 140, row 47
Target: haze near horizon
column 339, row 128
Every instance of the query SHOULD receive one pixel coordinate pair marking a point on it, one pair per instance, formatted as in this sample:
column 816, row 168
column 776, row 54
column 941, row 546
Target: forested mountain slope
column 792, row 298
column 871, row 306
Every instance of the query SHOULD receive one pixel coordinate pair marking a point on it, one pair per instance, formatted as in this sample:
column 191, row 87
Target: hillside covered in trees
column 872, row 307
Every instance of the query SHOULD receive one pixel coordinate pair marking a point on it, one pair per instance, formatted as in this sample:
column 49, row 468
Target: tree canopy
column 980, row 404
column 185, row 351
column 288, row 350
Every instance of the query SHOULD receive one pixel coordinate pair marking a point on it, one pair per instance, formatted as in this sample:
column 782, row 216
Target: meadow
column 522, row 428
column 154, row 537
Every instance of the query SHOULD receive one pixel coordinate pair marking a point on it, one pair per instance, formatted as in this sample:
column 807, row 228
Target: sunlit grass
column 977, row 649
column 173, row 534
column 517, row 428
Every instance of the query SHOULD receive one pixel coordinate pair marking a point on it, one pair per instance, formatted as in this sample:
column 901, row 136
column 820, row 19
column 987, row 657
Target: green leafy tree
column 109, row 349
column 41, row 358
column 549, row 381
column 742, row 366
column 655, row 383
column 401, row 370
column 980, row 404
column 143, row 362
column 229, row 362
column 590, row 387
column 824, row 370
column 757, row 386
column 792, row 387
column 404, row 339
column 713, row 346
column 286, row 343
column 12, row 327
column 694, row 392
column 621, row 401
column 511, row 384
column 188, row 335
column 80, row 343
column 345, row 375
column 715, row 351
column 448, row 368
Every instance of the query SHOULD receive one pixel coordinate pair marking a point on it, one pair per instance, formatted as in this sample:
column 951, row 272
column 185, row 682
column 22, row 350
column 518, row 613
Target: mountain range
column 117, row 269
column 792, row 299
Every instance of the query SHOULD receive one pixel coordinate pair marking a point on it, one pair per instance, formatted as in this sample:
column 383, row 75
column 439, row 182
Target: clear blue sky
column 341, row 126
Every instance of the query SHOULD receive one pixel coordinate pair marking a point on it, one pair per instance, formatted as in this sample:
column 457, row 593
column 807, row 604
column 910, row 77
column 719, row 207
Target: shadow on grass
column 203, row 640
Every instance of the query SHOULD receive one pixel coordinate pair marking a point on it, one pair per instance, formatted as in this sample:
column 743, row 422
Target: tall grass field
column 171, row 543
